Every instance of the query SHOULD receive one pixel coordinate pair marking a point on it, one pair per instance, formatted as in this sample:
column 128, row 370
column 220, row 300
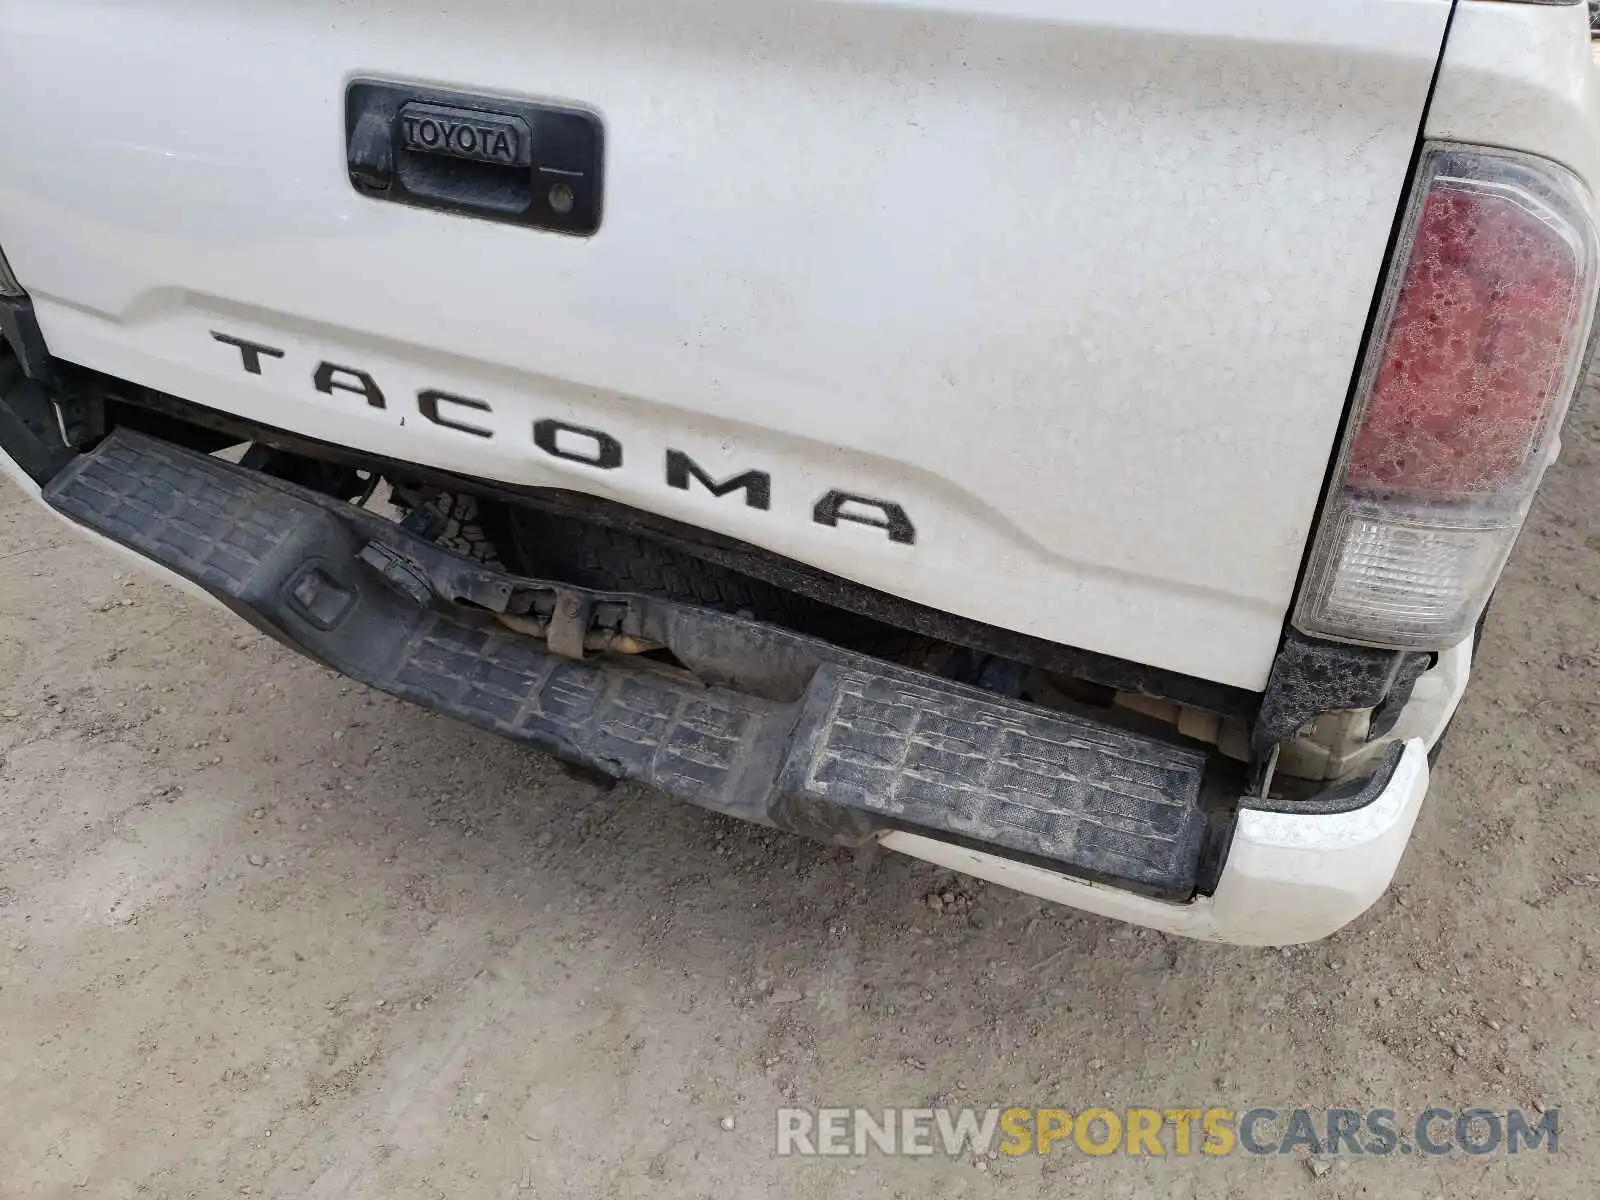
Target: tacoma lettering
column 328, row 380
column 590, row 447
column 756, row 485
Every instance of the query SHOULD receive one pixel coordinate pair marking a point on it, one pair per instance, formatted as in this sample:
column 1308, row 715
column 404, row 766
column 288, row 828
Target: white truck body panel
column 1079, row 284
column 1521, row 76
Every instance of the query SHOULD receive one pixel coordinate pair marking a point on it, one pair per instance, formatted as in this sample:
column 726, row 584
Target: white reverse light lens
column 1418, row 579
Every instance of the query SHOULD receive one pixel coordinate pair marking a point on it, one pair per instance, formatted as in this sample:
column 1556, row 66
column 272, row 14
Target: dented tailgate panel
column 1039, row 313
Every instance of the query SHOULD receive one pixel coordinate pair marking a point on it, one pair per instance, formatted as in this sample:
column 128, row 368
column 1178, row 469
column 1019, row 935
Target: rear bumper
column 1288, row 878
column 763, row 723
column 790, row 731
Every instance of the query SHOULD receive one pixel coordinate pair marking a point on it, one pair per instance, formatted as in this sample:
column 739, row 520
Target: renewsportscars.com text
column 1150, row 1131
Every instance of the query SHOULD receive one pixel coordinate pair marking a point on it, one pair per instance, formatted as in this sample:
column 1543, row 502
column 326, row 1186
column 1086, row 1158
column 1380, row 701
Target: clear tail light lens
column 1480, row 343
column 8, row 282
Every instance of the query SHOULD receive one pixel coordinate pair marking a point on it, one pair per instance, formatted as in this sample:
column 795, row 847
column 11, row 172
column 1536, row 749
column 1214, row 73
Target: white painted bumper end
column 1287, row 879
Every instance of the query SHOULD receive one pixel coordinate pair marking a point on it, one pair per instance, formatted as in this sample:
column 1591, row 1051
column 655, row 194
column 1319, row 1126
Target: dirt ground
column 263, row 932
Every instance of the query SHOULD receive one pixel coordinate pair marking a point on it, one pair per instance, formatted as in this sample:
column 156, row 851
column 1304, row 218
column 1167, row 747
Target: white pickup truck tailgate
column 1077, row 284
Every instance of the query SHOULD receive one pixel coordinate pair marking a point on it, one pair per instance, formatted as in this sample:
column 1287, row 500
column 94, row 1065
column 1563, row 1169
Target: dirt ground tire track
column 262, row 929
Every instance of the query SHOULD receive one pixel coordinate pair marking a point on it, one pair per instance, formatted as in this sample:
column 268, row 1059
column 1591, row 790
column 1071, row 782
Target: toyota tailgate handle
column 499, row 159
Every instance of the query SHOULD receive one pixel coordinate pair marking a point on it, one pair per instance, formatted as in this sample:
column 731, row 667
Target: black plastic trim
column 20, row 328
column 1311, row 676
column 1349, row 796
column 29, row 428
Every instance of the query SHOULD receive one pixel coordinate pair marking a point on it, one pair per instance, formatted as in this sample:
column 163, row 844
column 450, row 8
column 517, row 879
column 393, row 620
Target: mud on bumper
column 750, row 719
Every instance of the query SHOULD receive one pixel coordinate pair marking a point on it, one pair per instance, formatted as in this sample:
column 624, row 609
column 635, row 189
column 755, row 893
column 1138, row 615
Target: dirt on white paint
column 266, row 933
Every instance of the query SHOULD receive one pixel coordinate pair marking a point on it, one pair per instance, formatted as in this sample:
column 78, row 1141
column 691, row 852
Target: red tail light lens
column 1477, row 348
column 1475, row 358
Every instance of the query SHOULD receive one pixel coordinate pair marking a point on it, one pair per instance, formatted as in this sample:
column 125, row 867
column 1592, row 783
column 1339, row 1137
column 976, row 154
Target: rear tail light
column 1480, row 343
column 9, row 287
